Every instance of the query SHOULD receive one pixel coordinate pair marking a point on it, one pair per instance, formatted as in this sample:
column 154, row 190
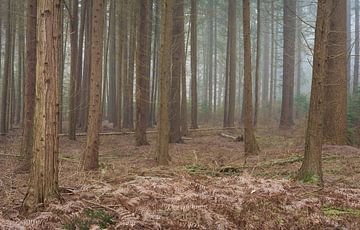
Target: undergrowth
column 90, row 217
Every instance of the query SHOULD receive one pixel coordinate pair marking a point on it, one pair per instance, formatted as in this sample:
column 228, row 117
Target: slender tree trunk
column 73, row 68
column 166, row 10
column 43, row 183
column 154, row 80
column 257, row 70
column 121, row 33
column 175, row 134
column 311, row 167
column 30, row 82
column 251, row 146
column 215, row 60
column 184, row 126
column 266, row 64
column 286, row 120
column 112, row 64
column 142, row 73
column 349, row 43
column 7, row 72
column 85, row 91
column 194, row 104
column 335, row 128
column 273, row 61
column 91, row 153
column 232, row 61
column 357, row 48
column 80, row 63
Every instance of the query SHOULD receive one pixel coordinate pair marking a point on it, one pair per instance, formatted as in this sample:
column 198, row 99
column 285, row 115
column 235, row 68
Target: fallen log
column 234, row 138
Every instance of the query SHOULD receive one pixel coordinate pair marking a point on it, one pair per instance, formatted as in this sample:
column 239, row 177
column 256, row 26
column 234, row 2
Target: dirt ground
column 208, row 185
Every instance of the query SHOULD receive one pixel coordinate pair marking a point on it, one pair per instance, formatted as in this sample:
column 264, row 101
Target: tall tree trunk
column 357, row 48
column 112, row 64
column 175, row 135
column 266, row 65
column 311, row 167
column 335, row 128
column 210, row 60
column 184, row 126
column 80, row 63
column 43, row 183
column 215, row 60
column 349, row 43
column 7, row 72
column 155, row 64
column 91, row 153
column 286, row 120
column 232, row 61
column 73, row 68
column 30, row 82
column 194, row 104
column 257, row 70
column 251, row 146
column 166, row 11
column 142, row 72
column 85, row 91
column 129, row 120
column 272, row 64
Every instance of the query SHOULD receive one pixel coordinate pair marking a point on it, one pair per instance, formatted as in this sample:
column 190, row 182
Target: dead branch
column 234, row 138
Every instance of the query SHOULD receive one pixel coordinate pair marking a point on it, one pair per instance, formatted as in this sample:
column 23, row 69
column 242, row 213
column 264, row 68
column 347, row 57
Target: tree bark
column 232, row 62
column 73, row 68
column 166, row 11
column 311, row 168
column 142, row 73
column 6, row 76
column 357, row 48
column 194, row 104
column 286, row 120
column 30, row 82
column 43, row 185
column 257, row 70
column 251, row 146
column 335, row 128
column 91, row 153
column 177, row 56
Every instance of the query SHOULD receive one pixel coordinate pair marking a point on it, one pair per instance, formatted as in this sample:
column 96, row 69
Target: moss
column 89, row 217
column 337, row 211
column 310, row 178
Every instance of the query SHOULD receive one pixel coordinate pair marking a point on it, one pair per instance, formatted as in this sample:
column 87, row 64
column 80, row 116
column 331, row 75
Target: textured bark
column 335, row 128
column 257, row 70
column 184, row 127
column 177, row 56
column 194, row 104
column 112, row 64
column 142, row 73
column 80, row 63
column 272, row 63
column 232, row 61
column 43, row 185
column 166, row 11
column 73, row 68
column 266, row 65
column 357, row 48
column 91, row 153
column 251, row 146
column 311, row 166
column 155, row 65
column 7, row 71
column 129, row 109
column 30, row 82
column 87, row 62
column 286, row 120
column 210, row 59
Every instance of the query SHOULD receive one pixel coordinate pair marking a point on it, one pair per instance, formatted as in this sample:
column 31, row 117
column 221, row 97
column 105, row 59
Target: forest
column 179, row 114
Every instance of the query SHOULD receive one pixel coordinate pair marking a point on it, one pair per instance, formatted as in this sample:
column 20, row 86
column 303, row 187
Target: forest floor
column 208, row 185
